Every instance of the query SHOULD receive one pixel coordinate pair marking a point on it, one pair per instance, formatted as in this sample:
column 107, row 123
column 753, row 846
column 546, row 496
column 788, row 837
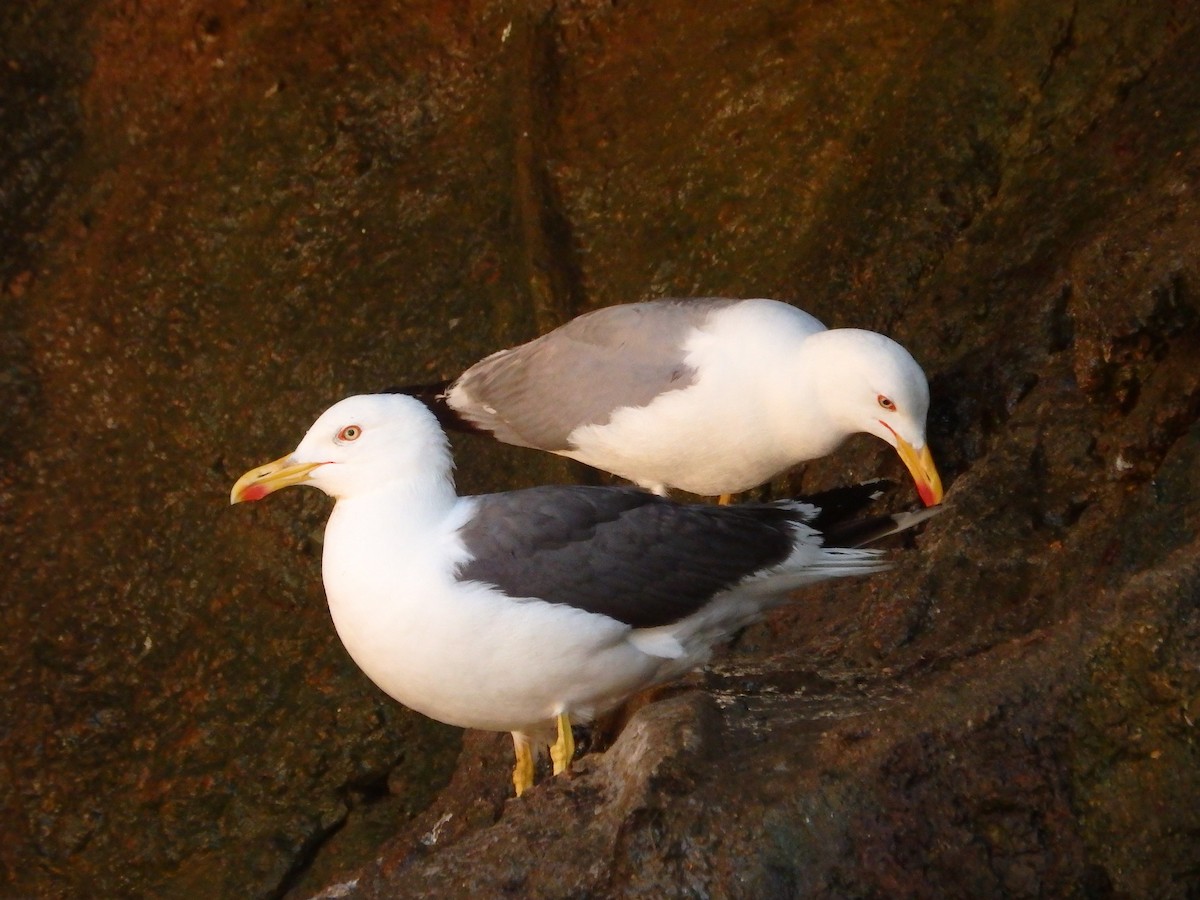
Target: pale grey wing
column 536, row 394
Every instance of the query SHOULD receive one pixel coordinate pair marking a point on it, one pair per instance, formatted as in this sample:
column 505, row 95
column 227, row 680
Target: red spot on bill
column 927, row 495
column 254, row 492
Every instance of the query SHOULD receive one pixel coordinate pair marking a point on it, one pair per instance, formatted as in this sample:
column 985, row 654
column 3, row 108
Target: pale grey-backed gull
column 707, row 395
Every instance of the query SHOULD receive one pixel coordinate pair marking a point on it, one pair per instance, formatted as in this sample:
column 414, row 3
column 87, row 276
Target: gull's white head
column 357, row 445
column 870, row 383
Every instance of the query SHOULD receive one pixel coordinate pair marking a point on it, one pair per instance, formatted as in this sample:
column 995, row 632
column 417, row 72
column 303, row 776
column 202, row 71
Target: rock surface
column 220, row 216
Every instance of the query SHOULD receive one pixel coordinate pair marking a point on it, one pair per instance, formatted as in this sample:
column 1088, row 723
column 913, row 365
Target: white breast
column 464, row 654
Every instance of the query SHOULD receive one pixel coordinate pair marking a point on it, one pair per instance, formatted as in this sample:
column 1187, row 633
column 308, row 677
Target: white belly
column 477, row 661
column 683, row 440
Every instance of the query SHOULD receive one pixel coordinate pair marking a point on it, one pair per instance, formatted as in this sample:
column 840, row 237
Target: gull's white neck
column 391, row 523
column 396, row 513
column 402, row 530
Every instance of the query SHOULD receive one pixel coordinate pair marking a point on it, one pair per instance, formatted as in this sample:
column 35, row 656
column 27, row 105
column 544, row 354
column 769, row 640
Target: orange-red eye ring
column 349, row 433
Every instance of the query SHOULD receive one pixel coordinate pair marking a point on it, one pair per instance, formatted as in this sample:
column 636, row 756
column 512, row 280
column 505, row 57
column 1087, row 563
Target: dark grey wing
column 623, row 553
column 536, row 394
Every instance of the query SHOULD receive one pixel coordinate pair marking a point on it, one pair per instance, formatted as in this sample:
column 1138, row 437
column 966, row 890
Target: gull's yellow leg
column 563, row 749
column 725, row 499
column 523, row 770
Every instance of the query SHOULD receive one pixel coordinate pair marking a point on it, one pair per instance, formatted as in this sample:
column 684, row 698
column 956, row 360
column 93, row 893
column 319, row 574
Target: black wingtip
column 867, row 531
column 836, row 505
column 434, row 397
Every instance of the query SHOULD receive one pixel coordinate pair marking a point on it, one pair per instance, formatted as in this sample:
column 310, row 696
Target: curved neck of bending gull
column 802, row 398
column 760, row 348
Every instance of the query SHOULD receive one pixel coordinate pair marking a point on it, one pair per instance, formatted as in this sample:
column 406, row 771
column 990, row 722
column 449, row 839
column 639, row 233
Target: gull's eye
column 886, row 403
column 348, row 434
